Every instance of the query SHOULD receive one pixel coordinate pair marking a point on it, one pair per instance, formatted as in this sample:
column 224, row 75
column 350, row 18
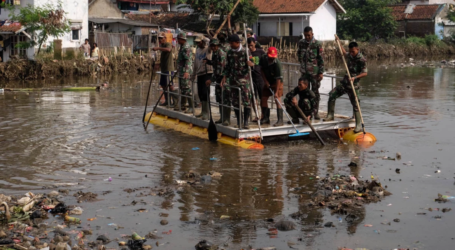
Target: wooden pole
column 224, row 22
column 352, row 84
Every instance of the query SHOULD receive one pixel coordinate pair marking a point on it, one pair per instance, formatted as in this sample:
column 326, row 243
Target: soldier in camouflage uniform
column 236, row 74
column 218, row 63
column 310, row 54
column 184, row 70
column 224, row 45
column 357, row 65
column 307, row 101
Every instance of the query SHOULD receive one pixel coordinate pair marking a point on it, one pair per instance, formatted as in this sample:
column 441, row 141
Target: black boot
column 221, row 115
column 246, row 117
column 330, row 110
column 266, row 116
column 237, row 116
column 279, row 114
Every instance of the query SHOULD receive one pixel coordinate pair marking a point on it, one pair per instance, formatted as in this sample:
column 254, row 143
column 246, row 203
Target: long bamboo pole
column 352, row 84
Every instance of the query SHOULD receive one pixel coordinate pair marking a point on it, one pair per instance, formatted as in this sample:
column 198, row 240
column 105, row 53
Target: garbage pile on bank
column 23, row 226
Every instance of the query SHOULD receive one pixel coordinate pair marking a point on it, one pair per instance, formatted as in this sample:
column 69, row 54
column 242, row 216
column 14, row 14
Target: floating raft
column 247, row 138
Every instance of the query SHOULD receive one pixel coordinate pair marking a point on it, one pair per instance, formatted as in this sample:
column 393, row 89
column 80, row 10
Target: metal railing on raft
column 291, row 74
column 169, row 93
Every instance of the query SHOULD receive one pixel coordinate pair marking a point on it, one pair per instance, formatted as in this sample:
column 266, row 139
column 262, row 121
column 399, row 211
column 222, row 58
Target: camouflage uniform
column 307, row 102
column 185, row 65
column 356, row 65
column 219, row 62
column 236, row 72
column 311, row 60
column 225, row 47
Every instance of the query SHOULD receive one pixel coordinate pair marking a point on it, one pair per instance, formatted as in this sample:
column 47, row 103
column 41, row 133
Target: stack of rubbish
column 22, row 225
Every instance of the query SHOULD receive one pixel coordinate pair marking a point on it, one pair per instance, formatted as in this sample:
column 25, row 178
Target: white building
column 11, row 33
column 280, row 18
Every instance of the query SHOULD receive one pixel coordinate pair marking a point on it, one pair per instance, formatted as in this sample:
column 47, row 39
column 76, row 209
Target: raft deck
column 335, row 128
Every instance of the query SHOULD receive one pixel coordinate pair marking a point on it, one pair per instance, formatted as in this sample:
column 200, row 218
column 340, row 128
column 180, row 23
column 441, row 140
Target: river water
column 80, row 139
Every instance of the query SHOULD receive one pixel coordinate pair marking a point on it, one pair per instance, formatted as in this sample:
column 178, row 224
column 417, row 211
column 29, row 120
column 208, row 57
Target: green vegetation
column 42, row 22
column 366, row 20
column 245, row 12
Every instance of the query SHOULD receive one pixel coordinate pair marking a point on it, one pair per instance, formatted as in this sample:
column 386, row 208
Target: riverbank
column 381, row 50
column 398, row 50
column 22, row 69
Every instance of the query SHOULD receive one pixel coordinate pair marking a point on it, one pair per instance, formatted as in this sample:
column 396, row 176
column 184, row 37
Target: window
column 14, row 2
column 282, row 29
column 75, row 34
column 15, row 40
column 259, row 29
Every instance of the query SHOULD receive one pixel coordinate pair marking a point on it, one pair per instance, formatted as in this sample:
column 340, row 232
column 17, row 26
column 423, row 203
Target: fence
column 109, row 41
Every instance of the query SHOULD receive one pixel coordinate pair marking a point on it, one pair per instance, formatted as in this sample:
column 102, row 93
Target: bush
column 431, row 40
column 416, row 40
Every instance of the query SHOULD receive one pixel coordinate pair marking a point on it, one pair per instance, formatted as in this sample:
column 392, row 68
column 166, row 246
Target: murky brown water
column 43, row 143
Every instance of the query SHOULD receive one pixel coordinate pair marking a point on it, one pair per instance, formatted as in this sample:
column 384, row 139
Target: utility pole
column 150, row 14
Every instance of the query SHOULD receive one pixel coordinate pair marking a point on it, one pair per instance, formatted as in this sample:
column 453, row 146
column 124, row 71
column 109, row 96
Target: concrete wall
column 104, row 9
column 77, row 11
column 5, row 13
column 269, row 25
column 324, row 22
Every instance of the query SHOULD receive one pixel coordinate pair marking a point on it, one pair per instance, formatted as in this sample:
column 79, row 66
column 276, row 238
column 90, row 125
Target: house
column 144, row 6
column 122, row 25
column 279, row 18
column 11, row 33
column 419, row 19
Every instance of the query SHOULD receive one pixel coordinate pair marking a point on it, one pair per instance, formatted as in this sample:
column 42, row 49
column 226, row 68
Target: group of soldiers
column 227, row 62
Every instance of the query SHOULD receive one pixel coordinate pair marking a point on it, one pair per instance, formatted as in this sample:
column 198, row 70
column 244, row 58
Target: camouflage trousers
column 226, row 93
column 342, row 89
column 315, row 85
column 185, row 86
column 246, row 95
column 304, row 105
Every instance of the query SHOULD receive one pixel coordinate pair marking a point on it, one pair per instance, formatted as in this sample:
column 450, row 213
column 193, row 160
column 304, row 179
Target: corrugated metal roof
column 124, row 21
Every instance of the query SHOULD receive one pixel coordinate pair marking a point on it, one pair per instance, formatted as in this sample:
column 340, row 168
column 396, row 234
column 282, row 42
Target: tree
column 366, row 19
column 245, row 12
column 41, row 21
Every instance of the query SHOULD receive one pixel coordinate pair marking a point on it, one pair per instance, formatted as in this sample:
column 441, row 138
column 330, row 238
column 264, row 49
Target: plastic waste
column 29, row 206
column 354, row 181
column 108, row 179
column 77, row 211
column 72, row 219
column 213, row 159
column 23, row 201
column 113, row 225
column 60, row 208
column 196, row 148
column 136, row 236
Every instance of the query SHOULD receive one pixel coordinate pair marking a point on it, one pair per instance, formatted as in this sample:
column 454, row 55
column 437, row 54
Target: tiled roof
column 420, row 12
column 293, row 6
column 7, row 26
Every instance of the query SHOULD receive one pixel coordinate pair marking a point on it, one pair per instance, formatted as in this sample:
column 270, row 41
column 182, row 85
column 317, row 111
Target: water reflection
column 45, row 135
